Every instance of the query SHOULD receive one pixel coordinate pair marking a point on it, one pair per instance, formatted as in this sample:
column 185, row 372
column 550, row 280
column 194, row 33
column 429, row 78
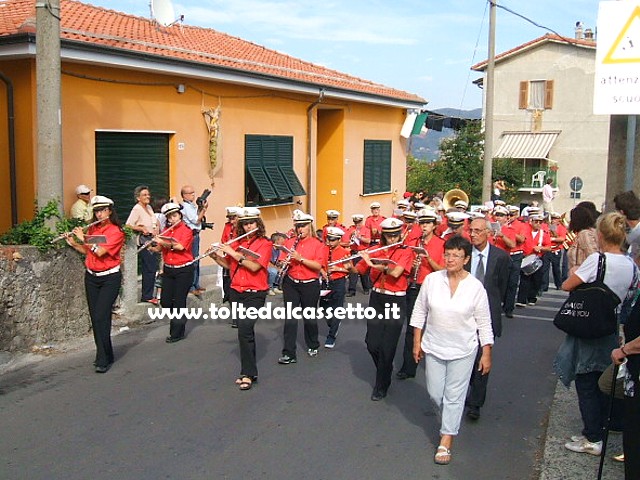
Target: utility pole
column 48, row 95
column 488, row 117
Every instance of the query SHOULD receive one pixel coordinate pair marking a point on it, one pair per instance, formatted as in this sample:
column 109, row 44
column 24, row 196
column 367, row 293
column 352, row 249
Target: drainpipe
column 310, row 166
column 12, row 149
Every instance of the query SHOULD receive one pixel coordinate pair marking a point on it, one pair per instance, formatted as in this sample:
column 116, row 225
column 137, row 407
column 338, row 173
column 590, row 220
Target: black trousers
column 382, row 336
column 101, row 294
column 304, row 295
column 409, row 365
column 631, row 436
column 512, row 283
column 149, row 261
column 364, row 278
column 529, row 286
column 334, row 300
column 246, row 332
column 175, row 288
column 477, row 392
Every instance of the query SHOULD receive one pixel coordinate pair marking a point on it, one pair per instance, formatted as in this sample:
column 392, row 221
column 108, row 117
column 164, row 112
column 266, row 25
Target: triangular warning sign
column 626, row 48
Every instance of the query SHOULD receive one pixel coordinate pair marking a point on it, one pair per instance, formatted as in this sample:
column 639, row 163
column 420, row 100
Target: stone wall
column 42, row 297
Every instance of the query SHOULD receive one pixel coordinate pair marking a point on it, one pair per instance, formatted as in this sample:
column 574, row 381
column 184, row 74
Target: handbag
column 590, row 310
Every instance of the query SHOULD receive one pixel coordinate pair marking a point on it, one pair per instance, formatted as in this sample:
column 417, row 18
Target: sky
column 425, row 47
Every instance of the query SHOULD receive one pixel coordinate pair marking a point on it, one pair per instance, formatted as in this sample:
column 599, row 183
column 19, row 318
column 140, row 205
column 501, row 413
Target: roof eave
column 80, row 52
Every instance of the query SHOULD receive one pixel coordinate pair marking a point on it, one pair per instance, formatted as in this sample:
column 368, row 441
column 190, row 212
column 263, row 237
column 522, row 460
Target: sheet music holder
column 383, row 261
column 168, row 239
column 282, row 248
column 95, row 239
column 248, row 253
column 419, row 250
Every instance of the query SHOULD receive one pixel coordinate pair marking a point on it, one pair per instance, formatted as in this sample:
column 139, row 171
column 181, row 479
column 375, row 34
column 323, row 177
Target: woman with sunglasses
column 452, row 320
column 247, row 265
column 388, row 269
column 102, row 278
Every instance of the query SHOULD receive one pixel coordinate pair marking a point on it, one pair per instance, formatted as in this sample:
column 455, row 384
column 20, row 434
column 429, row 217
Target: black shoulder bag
column 590, row 310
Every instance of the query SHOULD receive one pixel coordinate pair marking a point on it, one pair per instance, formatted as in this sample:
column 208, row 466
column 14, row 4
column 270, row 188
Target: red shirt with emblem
column 243, row 279
column 373, row 223
column 115, row 241
column 311, row 249
column 184, row 236
column 401, row 256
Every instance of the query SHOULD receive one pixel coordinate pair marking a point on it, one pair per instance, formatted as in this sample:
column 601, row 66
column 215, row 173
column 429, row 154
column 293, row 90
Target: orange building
column 168, row 106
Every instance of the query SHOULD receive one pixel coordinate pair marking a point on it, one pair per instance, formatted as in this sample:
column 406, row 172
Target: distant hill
column 428, row 147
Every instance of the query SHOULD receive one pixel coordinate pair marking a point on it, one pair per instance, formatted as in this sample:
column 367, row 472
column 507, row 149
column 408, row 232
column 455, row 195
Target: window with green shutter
column 270, row 178
column 377, row 166
column 125, row 160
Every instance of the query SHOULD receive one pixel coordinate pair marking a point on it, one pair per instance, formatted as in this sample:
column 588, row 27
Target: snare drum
column 531, row 264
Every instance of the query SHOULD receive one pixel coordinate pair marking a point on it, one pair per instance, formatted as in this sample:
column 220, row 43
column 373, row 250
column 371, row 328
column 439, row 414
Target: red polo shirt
column 435, row 247
column 311, row 249
column 402, row 256
column 115, row 241
column 184, row 236
column 331, row 256
column 243, row 279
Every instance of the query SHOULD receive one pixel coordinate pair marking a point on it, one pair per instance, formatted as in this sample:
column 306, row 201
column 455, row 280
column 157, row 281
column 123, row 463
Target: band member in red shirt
column 558, row 234
column 456, row 223
column 334, row 279
column 332, row 221
column 177, row 274
column 247, row 260
column 102, row 278
column 300, row 270
column 228, row 232
column 411, row 231
column 373, row 222
column 388, row 269
column 357, row 237
column 537, row 242
column 423, row 265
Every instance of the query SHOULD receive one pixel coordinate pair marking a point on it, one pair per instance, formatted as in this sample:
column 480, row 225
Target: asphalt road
column 173, row 411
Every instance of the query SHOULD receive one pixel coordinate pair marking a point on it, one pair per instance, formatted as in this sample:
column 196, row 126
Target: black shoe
column 173, row 339
column 403, row 375
column 351, row 294
column 473, row 413
column 367, row 291
column 378, row 394
column 509, row 314
column 103, row 369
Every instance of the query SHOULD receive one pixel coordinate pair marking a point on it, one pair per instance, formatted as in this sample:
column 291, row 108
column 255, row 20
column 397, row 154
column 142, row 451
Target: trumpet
column 66, row 234
column 285, row 264
column 216, row 246
column 351, row 257
column 167, row 230
column 417, row 263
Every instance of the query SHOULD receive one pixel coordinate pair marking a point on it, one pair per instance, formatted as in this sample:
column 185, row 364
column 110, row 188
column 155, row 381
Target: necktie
column 480, row 269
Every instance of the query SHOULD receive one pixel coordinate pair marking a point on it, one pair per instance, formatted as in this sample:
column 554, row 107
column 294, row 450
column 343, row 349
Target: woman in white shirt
column 452, row 309
column 584, row 360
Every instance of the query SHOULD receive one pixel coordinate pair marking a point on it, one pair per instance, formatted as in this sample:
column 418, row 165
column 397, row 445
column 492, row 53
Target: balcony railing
column 536, row 177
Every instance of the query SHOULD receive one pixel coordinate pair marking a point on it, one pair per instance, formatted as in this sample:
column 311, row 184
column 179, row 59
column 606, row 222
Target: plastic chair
column 538, row 178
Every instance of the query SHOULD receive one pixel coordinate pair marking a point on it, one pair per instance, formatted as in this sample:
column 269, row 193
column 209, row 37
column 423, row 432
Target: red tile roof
column 102, row 27
column 549, row 37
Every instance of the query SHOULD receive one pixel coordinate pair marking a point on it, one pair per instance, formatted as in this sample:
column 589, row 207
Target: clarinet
column 284, row 268
column 416, row 268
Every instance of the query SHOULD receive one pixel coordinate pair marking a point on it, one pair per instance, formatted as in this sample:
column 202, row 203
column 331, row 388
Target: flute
column 216, row 246
column 351, row 257
column 167, row 230
column 66, row 234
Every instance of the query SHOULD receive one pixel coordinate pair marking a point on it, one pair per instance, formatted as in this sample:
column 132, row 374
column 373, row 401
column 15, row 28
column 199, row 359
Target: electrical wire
column 475, row 51
column 527, row 19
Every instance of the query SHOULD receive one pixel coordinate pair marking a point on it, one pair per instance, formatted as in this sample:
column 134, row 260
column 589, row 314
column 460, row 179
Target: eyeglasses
column 536, row 221
column 499, row 215
column 453, row 255
column 477, row 231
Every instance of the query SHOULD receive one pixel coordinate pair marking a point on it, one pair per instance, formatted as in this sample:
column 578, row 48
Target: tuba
column 452, row 196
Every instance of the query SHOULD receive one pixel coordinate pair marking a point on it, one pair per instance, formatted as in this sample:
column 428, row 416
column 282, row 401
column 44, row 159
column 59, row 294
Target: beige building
column 167, row 106
column 543, row 116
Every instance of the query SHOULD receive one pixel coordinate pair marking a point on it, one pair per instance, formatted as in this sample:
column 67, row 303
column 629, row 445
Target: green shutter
column 270, row 160
column 377, row 166
column 125, row 160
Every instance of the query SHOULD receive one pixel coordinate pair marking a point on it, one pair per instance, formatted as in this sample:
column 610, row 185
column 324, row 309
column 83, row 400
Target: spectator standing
column 192, row 215
column 82, row 208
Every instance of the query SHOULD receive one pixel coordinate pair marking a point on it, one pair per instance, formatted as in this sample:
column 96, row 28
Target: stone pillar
column 130, row 293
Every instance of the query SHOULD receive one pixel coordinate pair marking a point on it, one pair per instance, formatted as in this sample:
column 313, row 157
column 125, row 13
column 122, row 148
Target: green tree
column 461, row 166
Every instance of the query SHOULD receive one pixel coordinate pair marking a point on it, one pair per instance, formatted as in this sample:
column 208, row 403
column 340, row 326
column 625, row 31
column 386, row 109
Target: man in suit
column 490, row 265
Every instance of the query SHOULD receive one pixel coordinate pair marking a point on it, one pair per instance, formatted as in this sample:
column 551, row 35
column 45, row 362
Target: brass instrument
column 351, row 257
column 216, row 246
column 284, row 267
column 452, row 196
column 66, row 234
column 570, row 237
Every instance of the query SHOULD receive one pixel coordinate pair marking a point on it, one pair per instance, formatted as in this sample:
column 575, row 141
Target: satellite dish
column 162, row 12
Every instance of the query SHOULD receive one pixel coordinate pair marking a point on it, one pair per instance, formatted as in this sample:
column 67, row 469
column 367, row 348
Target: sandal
column 442, row 456
column 245, row 383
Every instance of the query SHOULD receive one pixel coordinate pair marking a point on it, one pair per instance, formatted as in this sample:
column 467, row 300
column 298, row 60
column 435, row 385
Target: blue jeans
column 593, row 405
column 195, row 249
